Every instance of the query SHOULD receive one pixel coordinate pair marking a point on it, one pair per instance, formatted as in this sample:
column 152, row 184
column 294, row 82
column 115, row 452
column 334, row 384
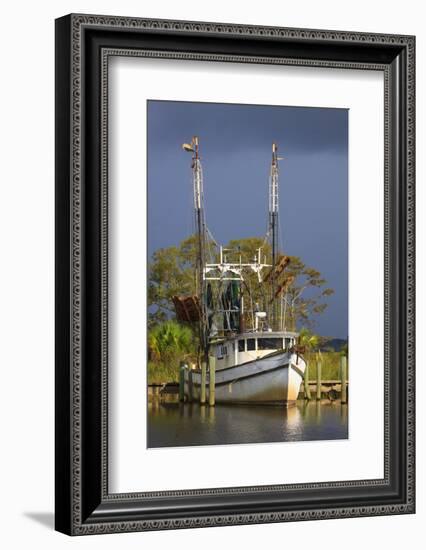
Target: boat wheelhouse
column 249, row 346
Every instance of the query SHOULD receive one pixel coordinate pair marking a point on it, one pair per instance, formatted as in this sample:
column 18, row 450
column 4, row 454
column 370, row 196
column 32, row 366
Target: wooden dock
column 167, row 393
column 331, row 389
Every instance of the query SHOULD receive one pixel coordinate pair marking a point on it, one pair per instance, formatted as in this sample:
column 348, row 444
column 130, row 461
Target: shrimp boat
column 240, row 311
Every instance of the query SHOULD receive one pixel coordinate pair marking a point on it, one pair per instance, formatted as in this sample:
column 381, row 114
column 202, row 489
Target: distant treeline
column 335, row 344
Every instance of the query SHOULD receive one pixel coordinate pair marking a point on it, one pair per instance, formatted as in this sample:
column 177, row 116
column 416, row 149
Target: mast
column 197, row 179
column 273, row 225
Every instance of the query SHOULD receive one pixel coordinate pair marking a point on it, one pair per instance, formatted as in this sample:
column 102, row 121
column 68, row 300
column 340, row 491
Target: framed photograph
column 234, row 274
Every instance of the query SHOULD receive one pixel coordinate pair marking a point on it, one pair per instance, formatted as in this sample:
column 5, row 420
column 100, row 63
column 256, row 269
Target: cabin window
column 241, row 346
column 251, row 344
column 287, row 343
column 222, row 351
column 269, row 343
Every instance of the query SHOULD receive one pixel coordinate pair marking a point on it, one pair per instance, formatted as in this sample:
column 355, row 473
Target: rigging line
column 205, row 210
column 252, row 306
column 265, row 240
column 203, row 206
column 210, row 246
column 211, row 236
column 279, row 238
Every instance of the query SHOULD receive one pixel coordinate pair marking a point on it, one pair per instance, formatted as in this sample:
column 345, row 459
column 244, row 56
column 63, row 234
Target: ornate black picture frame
column 83, row 45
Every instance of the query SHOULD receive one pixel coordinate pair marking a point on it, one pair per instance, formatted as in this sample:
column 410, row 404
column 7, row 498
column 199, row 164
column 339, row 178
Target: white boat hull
column 274, row 379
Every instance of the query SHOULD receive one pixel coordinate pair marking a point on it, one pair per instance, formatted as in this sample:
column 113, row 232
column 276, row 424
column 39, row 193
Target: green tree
column 256, row 294
column 306, row 296
column 172, row 272
column 308, row 339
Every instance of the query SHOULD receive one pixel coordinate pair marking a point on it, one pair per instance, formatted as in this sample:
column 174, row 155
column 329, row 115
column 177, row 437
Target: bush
column 169, row 343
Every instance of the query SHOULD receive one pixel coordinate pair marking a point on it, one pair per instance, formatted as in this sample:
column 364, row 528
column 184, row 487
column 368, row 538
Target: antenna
column 273, row 220
column 274, row 202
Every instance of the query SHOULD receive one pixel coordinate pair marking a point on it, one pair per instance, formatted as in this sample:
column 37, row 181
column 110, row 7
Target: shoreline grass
column 330, row 365
column 160, row 373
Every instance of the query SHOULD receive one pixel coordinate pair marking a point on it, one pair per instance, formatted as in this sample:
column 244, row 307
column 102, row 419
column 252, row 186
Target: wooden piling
column 190, row 386
column 343, row 378
column 319, row 378
column 306, row 382
column 182, row 369
column 212, row 380
column 203, row 383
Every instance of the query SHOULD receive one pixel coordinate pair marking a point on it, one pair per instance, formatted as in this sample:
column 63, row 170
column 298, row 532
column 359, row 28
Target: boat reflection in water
column 178, row 425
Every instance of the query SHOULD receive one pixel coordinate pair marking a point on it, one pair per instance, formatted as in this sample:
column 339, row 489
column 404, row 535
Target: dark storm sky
column 235, row 148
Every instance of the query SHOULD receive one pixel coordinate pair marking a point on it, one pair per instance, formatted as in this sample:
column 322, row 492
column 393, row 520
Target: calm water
column 177, row 425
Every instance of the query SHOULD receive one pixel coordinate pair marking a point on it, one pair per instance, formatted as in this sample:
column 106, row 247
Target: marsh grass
column 161, row 373
column 330, row 369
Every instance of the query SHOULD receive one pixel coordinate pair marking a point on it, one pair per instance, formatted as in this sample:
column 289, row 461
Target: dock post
column 343, row 377
column 190, row 386
column 182, row 369
column 203, row 383
column 306, row 382
column 212, row 380
column 319, row 378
